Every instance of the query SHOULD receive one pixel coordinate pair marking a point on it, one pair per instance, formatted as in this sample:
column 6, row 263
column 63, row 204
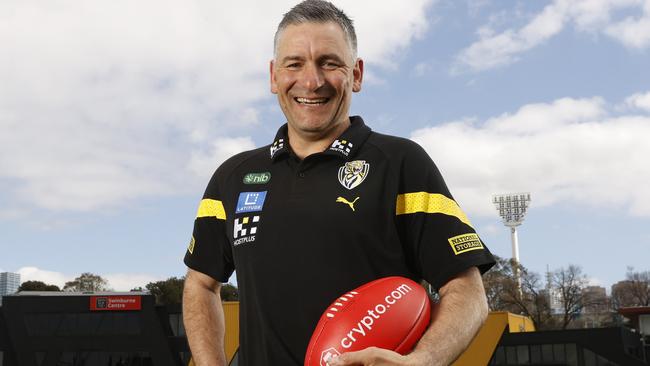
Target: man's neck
column 305, row 144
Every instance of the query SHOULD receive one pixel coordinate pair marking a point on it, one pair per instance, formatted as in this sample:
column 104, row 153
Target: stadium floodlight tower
column 512, row 209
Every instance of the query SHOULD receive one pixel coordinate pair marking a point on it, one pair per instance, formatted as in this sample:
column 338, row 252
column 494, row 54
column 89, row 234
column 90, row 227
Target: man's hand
column 373, row 356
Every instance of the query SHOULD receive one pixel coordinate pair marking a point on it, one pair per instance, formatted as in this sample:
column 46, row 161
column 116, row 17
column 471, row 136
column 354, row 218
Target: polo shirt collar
column 345, row 146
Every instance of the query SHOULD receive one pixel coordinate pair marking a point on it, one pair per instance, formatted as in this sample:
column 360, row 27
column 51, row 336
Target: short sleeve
column 210, row 251
column 439, row 240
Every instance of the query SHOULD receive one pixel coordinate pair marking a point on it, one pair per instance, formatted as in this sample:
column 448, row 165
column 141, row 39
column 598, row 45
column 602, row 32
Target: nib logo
column 327, row 355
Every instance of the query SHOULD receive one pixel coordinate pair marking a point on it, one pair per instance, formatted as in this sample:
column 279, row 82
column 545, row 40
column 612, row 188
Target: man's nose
column 312, row 77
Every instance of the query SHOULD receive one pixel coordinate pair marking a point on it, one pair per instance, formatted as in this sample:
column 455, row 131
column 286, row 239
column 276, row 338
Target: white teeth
column 311, row 101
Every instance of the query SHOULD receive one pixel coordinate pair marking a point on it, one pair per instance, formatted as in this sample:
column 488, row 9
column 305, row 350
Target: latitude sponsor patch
column 257, row 178
column 465, row 243
column 250, row 201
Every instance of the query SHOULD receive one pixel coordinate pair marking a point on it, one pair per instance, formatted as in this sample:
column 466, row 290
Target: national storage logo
column 464, row 243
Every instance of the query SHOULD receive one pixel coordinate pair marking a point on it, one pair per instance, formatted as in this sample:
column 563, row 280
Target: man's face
column 314, row 75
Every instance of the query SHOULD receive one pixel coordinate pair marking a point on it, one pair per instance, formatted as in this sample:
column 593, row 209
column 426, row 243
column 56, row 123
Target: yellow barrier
column 482, row 347
column 231, row 339
column 231, row 313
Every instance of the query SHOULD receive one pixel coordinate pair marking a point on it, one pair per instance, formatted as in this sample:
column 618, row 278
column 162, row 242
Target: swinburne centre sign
column 115, row 303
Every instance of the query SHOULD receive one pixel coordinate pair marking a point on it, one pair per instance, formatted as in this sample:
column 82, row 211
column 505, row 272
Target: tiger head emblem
column 353, row 173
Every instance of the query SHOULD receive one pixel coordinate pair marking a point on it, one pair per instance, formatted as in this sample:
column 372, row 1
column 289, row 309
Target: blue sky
column 113, row 115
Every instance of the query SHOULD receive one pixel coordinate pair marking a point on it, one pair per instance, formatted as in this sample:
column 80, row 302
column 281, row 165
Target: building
column 9, row 283
column 554, row 297
column 576, row 347
column 87, row 329
column 639, row 317
column 596, row 299
column 597, row 310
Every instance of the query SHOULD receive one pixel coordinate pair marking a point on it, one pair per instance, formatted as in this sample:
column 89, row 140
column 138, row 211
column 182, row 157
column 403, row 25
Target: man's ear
column 274, row 85
column 358, row 75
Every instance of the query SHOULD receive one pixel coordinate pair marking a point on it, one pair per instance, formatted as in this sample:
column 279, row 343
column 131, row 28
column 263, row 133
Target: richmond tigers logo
column 353, row 173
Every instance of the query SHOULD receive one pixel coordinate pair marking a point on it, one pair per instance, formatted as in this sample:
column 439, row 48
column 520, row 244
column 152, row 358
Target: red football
column 390, row 313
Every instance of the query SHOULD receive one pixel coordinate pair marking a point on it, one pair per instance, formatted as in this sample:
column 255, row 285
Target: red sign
column 115, row 303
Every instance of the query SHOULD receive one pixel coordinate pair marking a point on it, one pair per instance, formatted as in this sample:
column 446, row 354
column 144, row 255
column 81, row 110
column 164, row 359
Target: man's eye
column 330, row 65
column 294, row 65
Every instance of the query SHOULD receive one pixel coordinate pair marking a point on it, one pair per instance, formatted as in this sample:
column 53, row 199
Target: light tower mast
column 512, row 209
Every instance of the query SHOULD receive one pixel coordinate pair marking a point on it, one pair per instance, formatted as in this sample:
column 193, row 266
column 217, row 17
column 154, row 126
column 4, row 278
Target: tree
column 634, row 291
column 87, row 282
column 503, row 293
column 570, row 283
column 229, row 293
column 37, row 286
column 639, row 286
column 169, row 291
column 495, row 281
column 535, row 301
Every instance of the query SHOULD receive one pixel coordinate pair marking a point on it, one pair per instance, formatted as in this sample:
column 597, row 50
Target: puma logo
column 343, row 200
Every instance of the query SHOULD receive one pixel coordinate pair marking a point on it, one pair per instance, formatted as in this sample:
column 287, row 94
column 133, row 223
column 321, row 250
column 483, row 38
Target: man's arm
column 203, row 318
column 454, row 323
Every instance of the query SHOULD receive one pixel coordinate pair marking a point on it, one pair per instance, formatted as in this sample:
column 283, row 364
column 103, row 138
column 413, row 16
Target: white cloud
column 204, row 164
column 491, row 229
column 593, row 281
column 503, row 48
column 116, row 281
column 382, row 31
column 639, row 101
column 100, row 101
column 128, row 281
column 634, row 32
column 49, row 277
column 494, row 49
column 570, row 151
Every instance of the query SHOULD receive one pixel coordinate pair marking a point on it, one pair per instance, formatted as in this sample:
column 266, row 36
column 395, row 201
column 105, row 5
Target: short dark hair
column 317, row 11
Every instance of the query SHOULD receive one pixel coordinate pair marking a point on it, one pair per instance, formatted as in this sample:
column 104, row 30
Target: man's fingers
column 350, row 358
column 371, row 356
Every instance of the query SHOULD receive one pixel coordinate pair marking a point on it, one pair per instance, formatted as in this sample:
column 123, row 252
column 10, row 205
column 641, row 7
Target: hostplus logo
column 277, row 145
column 342, row 146
column 245, row 229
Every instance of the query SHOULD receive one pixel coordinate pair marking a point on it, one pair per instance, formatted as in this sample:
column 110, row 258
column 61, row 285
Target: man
column 327, row 207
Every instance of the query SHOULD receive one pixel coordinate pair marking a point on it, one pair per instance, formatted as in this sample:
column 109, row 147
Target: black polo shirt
column 301, row 233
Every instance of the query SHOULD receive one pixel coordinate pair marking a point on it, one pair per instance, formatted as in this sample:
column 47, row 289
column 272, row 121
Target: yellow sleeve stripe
column 211, row 208
column 409, row 203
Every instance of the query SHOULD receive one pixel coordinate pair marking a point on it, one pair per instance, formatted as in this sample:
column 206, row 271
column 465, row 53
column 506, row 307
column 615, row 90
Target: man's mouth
column 311, row 101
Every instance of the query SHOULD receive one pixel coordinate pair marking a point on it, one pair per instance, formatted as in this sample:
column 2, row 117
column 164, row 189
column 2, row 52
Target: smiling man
column 314, row 73
column 325, row 208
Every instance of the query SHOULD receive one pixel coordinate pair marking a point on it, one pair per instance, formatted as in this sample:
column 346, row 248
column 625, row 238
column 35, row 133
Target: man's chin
column 314, row 125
